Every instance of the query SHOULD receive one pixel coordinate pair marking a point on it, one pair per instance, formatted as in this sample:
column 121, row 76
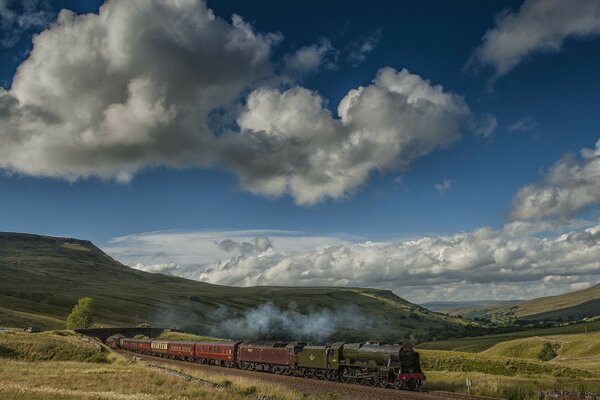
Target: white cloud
column 521, row 260
column 311, row 58
column 361, row 48
column 106, row 95
column 486, row 125
column 580, row 285
column 538, row 26
column 522, row 125
column 444, row 185
column 174, row 250
column 385, row 125
column 571, row 185
column 111, row 94
column 16, row 17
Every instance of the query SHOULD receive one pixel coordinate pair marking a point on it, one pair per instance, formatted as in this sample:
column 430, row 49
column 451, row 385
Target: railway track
column 311, row 386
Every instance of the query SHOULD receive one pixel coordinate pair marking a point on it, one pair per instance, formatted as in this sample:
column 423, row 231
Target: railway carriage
column 159, row 348
column 181, row 350
column 217, row 353
column 137, row 345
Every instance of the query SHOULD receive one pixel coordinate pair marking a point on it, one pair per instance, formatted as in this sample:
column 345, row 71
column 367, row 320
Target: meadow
column 60, row 365
column 63, row 365
column 481, row 343
column 512, row 369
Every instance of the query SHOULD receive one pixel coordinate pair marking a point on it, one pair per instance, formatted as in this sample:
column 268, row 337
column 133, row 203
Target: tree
column 81, row 316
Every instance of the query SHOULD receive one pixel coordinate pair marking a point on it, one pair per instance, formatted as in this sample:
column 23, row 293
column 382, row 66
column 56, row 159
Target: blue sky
column 544, row 106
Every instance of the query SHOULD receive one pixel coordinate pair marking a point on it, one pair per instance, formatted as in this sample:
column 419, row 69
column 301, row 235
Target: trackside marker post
column 469, row 383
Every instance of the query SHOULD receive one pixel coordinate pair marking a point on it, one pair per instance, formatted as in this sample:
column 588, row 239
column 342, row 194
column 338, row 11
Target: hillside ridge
column 44, row 276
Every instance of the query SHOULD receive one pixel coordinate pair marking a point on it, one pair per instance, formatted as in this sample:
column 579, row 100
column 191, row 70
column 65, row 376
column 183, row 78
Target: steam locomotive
column 373, row 364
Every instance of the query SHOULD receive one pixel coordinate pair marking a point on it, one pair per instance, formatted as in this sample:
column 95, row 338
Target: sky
column 401, row 145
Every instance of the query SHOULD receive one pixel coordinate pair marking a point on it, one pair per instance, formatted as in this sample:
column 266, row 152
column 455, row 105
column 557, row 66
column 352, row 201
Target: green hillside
column 43, row 277
column 572, row 306
column 482, row 343
column 578, row 351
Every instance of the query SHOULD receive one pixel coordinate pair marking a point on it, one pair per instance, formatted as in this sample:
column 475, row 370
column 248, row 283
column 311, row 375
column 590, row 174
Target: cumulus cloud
column 385, row 125
column 538, row 26
column 571, row 185
column 109, row 94
column 311, row 58
column 444, row 185
column 177, row 252
column 520, row 260
column 478, row 259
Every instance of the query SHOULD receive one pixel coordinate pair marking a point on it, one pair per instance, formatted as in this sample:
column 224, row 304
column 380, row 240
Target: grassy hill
column 43, row 277
column 482, row 343
column 573, row 305
column 505, row 367
column 576, row 351
column 467, row 307
column 570, row 306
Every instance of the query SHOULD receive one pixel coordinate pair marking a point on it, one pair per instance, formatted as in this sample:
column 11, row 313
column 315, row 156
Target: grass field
column 510, row 368
column 61, row 366
column 45, row 346
column 481, row 343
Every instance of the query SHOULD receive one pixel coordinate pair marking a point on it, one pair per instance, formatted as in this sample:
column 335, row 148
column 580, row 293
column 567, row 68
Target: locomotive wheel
column 345, row 379
column 412, row 384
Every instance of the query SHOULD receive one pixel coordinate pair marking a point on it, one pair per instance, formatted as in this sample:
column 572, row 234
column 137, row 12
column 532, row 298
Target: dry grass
column 507, row 387
column 118, row 381
column 186, row 336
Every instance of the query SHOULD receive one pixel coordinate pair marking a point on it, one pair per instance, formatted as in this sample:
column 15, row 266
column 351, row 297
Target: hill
column 43, row 277
column 465, row 307
column 481, row 343
column 572, row 306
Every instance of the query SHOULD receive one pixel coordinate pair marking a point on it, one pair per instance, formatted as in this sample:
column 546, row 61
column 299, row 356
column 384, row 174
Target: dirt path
column 310, row 386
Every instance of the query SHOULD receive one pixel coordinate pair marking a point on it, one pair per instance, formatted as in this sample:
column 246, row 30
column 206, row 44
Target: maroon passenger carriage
column 181, row 350
column 137, row 345
column 216, row 353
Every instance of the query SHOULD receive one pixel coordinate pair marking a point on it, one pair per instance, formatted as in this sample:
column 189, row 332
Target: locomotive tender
column 373, row 364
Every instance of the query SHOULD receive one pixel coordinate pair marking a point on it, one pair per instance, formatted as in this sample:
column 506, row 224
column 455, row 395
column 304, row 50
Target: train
column 372, row 363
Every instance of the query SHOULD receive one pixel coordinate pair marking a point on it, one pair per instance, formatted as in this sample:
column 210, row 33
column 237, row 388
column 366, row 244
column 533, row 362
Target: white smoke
column 267, row 321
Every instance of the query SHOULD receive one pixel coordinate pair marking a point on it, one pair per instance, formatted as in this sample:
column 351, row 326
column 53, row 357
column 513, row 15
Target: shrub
column 547, row 352
column 248, row 390
column 100, row 358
